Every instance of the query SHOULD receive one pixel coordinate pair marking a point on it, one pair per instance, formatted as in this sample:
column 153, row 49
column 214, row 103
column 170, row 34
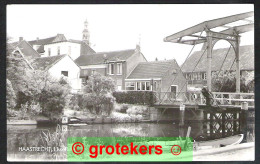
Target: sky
column 119, row 27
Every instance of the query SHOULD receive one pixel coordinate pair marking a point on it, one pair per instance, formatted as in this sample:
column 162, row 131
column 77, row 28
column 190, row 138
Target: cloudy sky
column 117, row 27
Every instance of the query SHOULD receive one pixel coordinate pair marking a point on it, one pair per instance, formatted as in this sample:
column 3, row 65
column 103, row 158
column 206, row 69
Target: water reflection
column 30, row 136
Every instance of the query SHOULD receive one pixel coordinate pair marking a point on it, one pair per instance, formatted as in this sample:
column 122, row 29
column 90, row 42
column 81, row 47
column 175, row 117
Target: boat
column 227, row 141
column 74, row 121
column 78, row 124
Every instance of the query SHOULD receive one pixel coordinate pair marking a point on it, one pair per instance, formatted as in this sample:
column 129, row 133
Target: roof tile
column 98, row 58
column 44, row 63
column 218, row 56
column 155, row 69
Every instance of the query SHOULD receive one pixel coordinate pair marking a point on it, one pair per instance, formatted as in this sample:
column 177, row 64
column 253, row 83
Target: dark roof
column 42, row 42
column 98, row 58
column 44, row 63
column 85, row 49
column 218, row 55
column 155, row 69
column 27, row 49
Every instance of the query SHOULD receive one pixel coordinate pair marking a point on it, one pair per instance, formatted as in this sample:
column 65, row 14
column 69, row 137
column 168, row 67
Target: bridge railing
column 196, row 97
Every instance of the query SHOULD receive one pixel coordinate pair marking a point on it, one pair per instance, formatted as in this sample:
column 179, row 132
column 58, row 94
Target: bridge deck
column 196, row 106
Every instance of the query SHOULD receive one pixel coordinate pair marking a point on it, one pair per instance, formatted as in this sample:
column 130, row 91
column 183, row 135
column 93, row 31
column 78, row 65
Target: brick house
column 197, row 78
column 157, row 76
column 115, row 64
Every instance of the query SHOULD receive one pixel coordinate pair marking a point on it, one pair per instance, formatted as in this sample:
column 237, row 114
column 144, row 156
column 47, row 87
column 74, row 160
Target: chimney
column 138, row 48
column 20, row 39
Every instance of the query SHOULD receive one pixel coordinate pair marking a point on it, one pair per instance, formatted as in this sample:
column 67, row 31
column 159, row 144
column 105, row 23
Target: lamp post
column 182, row 115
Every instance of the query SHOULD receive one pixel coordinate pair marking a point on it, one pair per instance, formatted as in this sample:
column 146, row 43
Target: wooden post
column 209, row 59
column 182, row 115
column 234, row 123
column 211, row 124
column 205, row 122
column 243, row 119
column 223, row 114
column 237, row 66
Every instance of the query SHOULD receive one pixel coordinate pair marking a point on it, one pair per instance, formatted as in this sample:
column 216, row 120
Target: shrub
column 226, row 82
column 120, row 117
column 76, row 102
column 120, row 108
column 135, row 110
column 53, row 100
column 97, row 97
column 135, row 97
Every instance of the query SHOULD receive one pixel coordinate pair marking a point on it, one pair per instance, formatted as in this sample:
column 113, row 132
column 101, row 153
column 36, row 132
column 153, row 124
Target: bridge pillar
column 237, row 64
column 243, row 119
column 209, row 59
column 153, row 114
column 234, row 40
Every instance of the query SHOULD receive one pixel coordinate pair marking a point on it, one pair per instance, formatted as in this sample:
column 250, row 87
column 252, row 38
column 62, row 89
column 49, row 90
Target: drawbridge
column 208, row 33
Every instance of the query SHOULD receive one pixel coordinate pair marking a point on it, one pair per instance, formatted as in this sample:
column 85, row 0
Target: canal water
column 30, row 135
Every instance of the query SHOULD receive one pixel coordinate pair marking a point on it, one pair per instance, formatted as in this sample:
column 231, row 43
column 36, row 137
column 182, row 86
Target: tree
column 10, row 95
column 98, row 96
column 34, row 87
column 226, row 82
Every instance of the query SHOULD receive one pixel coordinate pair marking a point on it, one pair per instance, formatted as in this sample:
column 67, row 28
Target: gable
column 27, row 50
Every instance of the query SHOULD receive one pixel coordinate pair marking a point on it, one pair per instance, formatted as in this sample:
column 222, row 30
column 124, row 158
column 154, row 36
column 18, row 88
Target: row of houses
column 76, row 60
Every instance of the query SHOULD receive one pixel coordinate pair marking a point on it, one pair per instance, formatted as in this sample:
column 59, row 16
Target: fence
column 196, row 97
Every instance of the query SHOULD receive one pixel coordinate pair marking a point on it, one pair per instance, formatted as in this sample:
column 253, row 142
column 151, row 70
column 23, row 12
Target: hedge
column 135, row 97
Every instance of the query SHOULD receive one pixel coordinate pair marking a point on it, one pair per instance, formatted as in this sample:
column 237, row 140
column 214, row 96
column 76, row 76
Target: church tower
column 85, row 33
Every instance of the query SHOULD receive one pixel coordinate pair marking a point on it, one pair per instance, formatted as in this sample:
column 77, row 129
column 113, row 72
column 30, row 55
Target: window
column 138, row 86
column 142, row 86
column 49, row 51
column 93, row 72
column 199, row 76
column 111, row 69
column 119, row 68
column 173, row 90
column 119, row 87
column 148, row 86
column 58, row 50
column 130, row 85
column 190, row 77
column 65, row 73
column 187, row 76
column 204, row 76
column 195, row 76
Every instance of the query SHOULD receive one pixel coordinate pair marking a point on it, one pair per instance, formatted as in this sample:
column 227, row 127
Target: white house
column 59, row 66
column 70, row 47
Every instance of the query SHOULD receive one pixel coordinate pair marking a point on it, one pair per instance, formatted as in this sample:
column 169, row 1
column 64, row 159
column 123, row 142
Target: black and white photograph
column 176, row 80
